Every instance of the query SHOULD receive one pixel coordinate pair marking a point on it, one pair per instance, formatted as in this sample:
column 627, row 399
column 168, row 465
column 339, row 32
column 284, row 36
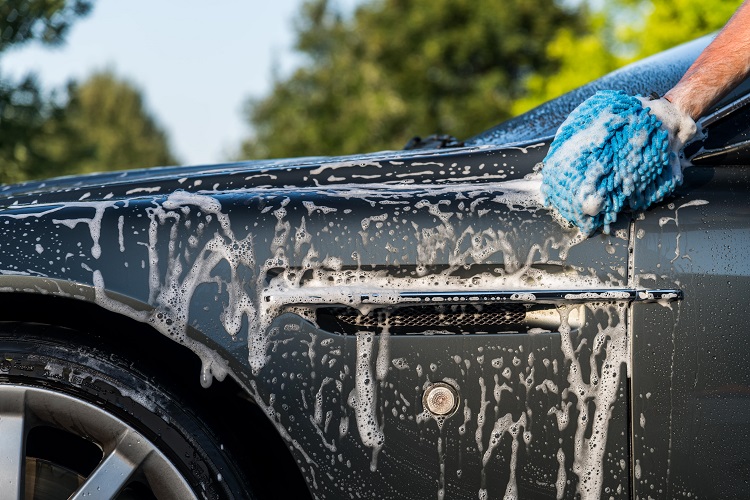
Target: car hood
column 121, row 184
column 402, row 168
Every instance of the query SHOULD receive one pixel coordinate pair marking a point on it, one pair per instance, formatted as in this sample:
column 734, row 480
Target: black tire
column 46, row 361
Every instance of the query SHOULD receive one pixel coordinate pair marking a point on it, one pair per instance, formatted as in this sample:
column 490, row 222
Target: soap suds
column 192, row 244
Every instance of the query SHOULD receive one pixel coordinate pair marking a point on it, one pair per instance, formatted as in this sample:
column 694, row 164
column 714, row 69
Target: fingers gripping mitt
column 614, row 151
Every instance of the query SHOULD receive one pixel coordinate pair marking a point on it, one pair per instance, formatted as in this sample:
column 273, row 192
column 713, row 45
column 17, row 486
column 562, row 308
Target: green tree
column 23, row 112
column 671, row 22
column 398, row 68
column 24, row 108
column 43, row 20
column 100, row 124
column 618, row 32
column 580, row 58
column 104, row 125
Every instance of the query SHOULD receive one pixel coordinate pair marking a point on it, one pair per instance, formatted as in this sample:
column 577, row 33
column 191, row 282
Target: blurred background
column 94, row 85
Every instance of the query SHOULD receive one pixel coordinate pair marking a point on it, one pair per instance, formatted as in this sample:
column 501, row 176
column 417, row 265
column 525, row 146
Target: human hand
column 679, row 125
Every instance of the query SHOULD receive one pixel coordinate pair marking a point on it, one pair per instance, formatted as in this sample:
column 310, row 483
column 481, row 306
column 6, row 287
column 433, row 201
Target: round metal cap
column 440, row 399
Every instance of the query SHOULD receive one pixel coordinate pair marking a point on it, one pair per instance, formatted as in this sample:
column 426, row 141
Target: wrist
column 693, row 98
column 674, row 97
column 678, row 122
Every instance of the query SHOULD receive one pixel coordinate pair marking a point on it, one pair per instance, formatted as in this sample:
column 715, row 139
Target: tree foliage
column 23, row 112
column 24, row 107
column 398, row 68
column 580, row 58
column 671, row 22
column 104, row 126
column 44, row 20
column 100, row 124
column 619, row 32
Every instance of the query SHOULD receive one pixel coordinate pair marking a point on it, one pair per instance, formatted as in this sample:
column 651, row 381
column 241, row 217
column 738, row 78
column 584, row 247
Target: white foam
column 601, row 390
column 172, row 285
column 364, row 397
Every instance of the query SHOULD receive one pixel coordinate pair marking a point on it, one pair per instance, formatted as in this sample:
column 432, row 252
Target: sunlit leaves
column 398, row 68
column 100, row 124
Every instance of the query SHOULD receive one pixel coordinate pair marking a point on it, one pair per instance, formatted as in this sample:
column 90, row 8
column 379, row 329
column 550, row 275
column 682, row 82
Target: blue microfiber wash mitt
column 614, row 151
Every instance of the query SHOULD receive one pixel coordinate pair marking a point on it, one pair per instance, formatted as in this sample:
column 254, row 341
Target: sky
column 196, row 62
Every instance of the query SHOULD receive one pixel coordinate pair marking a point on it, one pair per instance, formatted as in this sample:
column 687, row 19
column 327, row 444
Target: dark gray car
column 404, row 324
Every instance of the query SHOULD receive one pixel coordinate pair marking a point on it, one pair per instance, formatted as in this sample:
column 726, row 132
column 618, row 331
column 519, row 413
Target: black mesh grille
column 459, row 318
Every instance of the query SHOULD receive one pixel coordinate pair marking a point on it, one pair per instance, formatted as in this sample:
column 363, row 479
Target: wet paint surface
column 691, row 433
column 239, row 262
column 237, row 277
column 597, row 395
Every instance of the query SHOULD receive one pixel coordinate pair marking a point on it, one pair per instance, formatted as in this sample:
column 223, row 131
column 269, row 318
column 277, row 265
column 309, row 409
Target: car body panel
column 237, row 276
column 305, row 280
column 691, row 432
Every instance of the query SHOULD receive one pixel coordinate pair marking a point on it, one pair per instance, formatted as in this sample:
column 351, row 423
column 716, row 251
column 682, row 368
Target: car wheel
column 80, row 420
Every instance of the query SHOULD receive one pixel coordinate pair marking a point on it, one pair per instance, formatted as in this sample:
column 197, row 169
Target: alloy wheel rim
column 126, row 454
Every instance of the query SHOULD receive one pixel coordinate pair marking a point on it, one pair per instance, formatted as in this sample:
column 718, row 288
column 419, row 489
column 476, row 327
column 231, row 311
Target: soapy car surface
column 318, row 307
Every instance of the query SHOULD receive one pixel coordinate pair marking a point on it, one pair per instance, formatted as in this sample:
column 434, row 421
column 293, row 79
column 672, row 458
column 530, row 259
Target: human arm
column 719, row 68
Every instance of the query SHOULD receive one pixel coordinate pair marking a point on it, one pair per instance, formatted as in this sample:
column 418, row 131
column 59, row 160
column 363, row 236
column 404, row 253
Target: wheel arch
column 69, row 306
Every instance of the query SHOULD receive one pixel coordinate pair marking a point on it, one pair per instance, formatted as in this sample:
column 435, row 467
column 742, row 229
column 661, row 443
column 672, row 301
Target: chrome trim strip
column 725, row 111
column 704, row 154
column 525, row 296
